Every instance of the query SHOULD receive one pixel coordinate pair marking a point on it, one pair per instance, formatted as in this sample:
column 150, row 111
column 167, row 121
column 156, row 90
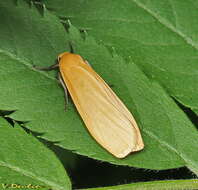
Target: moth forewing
column 105, row 116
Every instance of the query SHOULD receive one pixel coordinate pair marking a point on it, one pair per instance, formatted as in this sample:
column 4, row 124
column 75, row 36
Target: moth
column 107, row 119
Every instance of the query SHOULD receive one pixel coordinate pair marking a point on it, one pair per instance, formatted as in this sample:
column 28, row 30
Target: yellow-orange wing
column 105, row 116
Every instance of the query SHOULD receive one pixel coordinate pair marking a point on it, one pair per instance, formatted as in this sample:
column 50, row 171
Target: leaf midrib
column 30, row 174
column 24, row 62
column 167, row 24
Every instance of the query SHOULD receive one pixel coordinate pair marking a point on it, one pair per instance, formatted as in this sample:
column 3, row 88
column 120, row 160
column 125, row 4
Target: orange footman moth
column 105, row 116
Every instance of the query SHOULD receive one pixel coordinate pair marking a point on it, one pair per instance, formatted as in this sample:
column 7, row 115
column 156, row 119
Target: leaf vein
column 167, row 24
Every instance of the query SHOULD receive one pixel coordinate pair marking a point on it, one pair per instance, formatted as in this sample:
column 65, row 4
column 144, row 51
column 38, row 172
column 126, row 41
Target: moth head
column 61, row 55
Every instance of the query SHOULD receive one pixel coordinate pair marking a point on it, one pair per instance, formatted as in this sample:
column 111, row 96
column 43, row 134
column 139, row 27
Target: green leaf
column 33, row 38
column 163, row 124
column 154, row 185
column 25, row 161
column 159, row 36
column 170, row 138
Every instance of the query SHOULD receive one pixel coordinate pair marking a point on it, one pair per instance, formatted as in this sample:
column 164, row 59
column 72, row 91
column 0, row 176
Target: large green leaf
column 33, row 38
column 164, row 125
column 170, row 138
column 161, row 37
column 25, row 161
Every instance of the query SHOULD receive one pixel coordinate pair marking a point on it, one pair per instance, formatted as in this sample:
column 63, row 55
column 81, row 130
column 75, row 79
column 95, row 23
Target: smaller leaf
column 24, row 160
column 155, row 185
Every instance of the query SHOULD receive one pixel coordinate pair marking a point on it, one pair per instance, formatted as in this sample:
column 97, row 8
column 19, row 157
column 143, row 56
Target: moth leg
column 52, row 67
column 65, row 90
